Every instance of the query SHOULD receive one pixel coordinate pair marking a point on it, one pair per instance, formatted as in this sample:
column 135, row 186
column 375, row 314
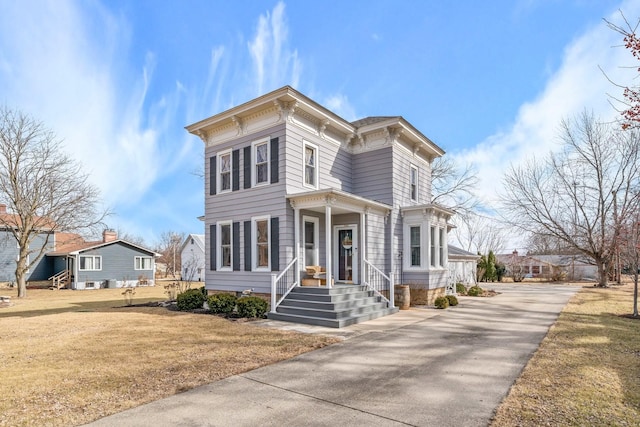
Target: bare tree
column 44, row 190
column 131, row 238
column 582, row 194
column 453, row 186
column 630, row 253
column 169, row 248
column 481, row 234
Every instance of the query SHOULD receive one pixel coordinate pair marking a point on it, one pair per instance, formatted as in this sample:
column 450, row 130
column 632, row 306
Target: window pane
column 225, row 163
column 433, row 246
column 309, row 238
column 261, row 173
column 309, row 156
column 263, row 255
column 226, row 256
column 415, row 256
column 225, row 181
column 225, row 234
column 261, row 153
column 263, row 235
column 415, row 236
column 83, row 263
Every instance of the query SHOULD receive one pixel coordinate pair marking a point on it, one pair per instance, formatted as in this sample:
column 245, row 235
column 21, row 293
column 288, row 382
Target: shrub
column 190, row 299
column 204, row 292
column 475, row 291
column 441, row 302
column 461, row 289
column 453, row 301
column 222, row 303
column 251, row 307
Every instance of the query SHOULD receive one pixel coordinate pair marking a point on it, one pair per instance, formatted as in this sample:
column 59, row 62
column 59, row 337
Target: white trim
column 354, row 251
column 135, row 263
column 433, row 245
column 219, row 226
column 407, row 247
column 219, row 156
column 316, row 175
column 254, row 243
column 254, row 177
column 413, row 168
column 316, row 243
column 93, row 263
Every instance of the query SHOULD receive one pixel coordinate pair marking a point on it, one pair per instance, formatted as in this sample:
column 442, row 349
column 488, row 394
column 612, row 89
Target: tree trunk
column 602, row 273
column 22, row 285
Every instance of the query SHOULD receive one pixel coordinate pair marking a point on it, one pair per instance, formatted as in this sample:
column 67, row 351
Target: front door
column 345, row 253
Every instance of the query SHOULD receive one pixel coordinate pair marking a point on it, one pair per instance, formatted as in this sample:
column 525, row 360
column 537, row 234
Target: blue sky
column 118, row 80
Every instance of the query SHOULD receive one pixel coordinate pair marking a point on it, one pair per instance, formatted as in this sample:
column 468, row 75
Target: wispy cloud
column 577, row 85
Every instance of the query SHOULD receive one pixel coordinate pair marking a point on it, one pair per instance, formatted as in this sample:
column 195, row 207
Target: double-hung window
column 441, row 260
column 90, row 263
column 225, row 171
column 261, row 162
column 415, row 245
column 310, row 165
column 142, row 263
column 225, row 245
column 432, row 246
column 261, row 243
column 413, row 183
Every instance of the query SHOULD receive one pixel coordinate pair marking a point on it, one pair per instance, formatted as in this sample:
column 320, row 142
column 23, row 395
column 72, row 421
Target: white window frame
column 219, row 251
column 139, row 262
column 441, row 247
column 316, row 243
column 254, row 243
column 219, row 178
column 433, row 255
column 93, row 262
column 413, row 186
column 316, row 175
column 254, row 164
column 411, row 222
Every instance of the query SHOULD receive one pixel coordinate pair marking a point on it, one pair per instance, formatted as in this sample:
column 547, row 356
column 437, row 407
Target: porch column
column 328, row 245
column 363, row 247
column 296, row 242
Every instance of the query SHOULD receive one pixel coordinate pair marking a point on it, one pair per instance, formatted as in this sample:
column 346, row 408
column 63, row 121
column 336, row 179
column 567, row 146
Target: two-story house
column 293, row 192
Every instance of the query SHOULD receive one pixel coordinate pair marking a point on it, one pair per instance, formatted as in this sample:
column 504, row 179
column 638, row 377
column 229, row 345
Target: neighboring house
column 72, row 262
column 291, row 184
column 192, row 258
column 550, row 267
column 109, row 263
column 462, row 266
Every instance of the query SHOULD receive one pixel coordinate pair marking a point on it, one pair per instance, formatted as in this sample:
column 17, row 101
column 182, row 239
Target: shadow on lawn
column 107, row 306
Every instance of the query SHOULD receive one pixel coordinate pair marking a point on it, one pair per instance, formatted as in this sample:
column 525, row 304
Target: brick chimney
column 109, row 235
column 3, row 208
column 515, row 252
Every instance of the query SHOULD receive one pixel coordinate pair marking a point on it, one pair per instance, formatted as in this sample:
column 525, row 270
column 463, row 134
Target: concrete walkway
column 421, row 367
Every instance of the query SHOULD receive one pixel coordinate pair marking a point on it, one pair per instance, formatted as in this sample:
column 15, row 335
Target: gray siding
column 373, row 172
column 335, row 167
column 118, row 263
column 9, row 254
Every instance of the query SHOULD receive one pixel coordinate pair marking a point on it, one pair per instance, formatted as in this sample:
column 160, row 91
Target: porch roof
column 340, row 202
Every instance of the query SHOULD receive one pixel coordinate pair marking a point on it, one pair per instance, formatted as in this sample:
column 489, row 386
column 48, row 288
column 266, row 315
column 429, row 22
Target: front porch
column 340, row 253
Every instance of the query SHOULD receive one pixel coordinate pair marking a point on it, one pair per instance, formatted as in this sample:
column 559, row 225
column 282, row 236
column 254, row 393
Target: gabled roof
column 198, row 240
column 76, row 247
column 456, row 252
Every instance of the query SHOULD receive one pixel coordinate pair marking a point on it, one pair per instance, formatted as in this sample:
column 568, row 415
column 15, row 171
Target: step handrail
column 283, row 283
column 375, row 280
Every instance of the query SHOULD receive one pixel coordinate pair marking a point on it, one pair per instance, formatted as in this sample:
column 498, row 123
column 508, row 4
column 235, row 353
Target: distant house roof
column 73, row 244
column 457, row 253
column 198, row 240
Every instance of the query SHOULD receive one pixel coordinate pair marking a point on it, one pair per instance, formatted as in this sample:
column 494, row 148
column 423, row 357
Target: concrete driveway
column 420, row 367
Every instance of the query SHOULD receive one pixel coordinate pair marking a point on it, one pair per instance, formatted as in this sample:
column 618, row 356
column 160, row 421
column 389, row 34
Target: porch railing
column 378, row 282
column 60, row 279
column 283, row 283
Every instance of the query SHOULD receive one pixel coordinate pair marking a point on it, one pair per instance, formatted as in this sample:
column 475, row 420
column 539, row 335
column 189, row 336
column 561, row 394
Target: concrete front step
column 332, row 323
column 332, row 307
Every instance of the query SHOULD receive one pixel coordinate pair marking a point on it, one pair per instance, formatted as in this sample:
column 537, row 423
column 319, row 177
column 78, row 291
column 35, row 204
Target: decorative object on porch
column 403, row 297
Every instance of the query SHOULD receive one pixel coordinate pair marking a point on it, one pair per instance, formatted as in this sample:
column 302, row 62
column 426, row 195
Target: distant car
column 528, row 276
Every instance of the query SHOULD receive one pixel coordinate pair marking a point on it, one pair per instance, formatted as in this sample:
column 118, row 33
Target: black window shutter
column 247, row 246
column 235, row 167
column 247, row 167
column 236, row 246
column 212, row 175
column 275, row 244
column 212, row 247
column 274, row 161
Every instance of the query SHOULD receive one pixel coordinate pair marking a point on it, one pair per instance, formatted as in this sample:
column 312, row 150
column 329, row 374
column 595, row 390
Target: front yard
column 70, row 357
